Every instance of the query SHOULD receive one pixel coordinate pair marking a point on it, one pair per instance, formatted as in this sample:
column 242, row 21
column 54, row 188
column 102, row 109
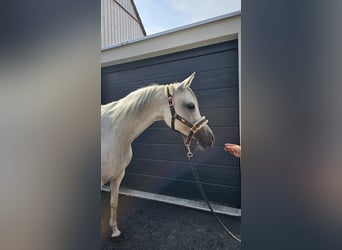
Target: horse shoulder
column 114, row 160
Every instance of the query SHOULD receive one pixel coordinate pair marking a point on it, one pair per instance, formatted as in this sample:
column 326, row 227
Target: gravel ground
column 155, row 225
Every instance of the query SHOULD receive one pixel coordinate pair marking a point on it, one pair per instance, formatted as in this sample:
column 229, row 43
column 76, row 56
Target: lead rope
column 204, row 196
column 194, row 128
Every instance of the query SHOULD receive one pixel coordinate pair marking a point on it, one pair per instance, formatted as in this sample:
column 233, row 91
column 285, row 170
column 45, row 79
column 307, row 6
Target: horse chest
column 114, row 160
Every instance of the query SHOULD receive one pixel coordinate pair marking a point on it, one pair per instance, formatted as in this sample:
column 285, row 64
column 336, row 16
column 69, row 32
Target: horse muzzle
column 205, row 137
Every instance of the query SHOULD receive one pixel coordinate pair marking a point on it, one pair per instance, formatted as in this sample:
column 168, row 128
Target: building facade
column 120, row 22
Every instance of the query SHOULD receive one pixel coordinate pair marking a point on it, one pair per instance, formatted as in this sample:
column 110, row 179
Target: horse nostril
column 211, row 140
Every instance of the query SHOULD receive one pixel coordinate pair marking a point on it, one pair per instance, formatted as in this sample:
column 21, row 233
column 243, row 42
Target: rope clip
column 189, row 154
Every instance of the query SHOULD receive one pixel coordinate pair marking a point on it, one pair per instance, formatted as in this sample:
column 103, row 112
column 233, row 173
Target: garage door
column 159, row 163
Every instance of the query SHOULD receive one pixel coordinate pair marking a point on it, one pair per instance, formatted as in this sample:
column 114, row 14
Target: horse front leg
column 114, row 190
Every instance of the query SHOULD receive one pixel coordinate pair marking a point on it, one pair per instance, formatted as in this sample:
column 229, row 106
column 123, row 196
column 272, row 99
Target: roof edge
column 140, row 21
column 210, row 20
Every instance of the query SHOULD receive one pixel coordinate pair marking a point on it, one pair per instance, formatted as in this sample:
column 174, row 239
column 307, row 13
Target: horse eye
column 191, row 105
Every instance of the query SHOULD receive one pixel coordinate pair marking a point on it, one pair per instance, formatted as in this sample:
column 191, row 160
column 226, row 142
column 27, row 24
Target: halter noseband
column 194, row 128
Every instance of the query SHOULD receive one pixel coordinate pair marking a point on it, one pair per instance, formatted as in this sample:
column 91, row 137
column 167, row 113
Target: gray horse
column 124, row 120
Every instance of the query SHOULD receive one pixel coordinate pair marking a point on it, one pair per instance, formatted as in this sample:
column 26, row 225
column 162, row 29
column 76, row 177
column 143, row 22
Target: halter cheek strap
column 174, row 115
column 194, row 128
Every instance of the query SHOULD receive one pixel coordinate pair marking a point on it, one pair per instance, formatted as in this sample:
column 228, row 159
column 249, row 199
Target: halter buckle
column 194, row 129
column 170, row 101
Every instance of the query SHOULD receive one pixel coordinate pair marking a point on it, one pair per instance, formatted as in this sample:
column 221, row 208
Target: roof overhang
column 214, row 30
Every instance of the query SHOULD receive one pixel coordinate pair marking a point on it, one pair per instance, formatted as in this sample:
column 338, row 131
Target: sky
column 161, row 15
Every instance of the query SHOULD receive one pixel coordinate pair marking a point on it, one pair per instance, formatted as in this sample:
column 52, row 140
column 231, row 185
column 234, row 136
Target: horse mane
column 142, row 97
column 134, row 101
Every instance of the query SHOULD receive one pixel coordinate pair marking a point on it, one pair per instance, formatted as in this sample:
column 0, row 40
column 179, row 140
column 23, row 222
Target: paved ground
column 159, row 226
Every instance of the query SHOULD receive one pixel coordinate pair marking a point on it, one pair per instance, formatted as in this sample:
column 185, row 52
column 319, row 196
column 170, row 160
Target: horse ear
column 187, row 82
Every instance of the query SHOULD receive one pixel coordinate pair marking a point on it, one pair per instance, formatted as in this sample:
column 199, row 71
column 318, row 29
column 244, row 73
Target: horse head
column 185, row 116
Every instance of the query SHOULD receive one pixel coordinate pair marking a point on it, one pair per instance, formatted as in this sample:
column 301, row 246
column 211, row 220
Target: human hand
column 233, row 149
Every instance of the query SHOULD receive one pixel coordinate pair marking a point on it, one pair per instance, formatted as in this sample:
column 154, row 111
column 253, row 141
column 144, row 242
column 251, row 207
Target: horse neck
column 143, row 113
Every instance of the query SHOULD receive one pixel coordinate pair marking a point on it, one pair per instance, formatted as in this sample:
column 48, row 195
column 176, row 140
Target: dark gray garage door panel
column 159, row 163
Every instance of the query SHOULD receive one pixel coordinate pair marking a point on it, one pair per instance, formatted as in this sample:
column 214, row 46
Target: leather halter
column 194, row 128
